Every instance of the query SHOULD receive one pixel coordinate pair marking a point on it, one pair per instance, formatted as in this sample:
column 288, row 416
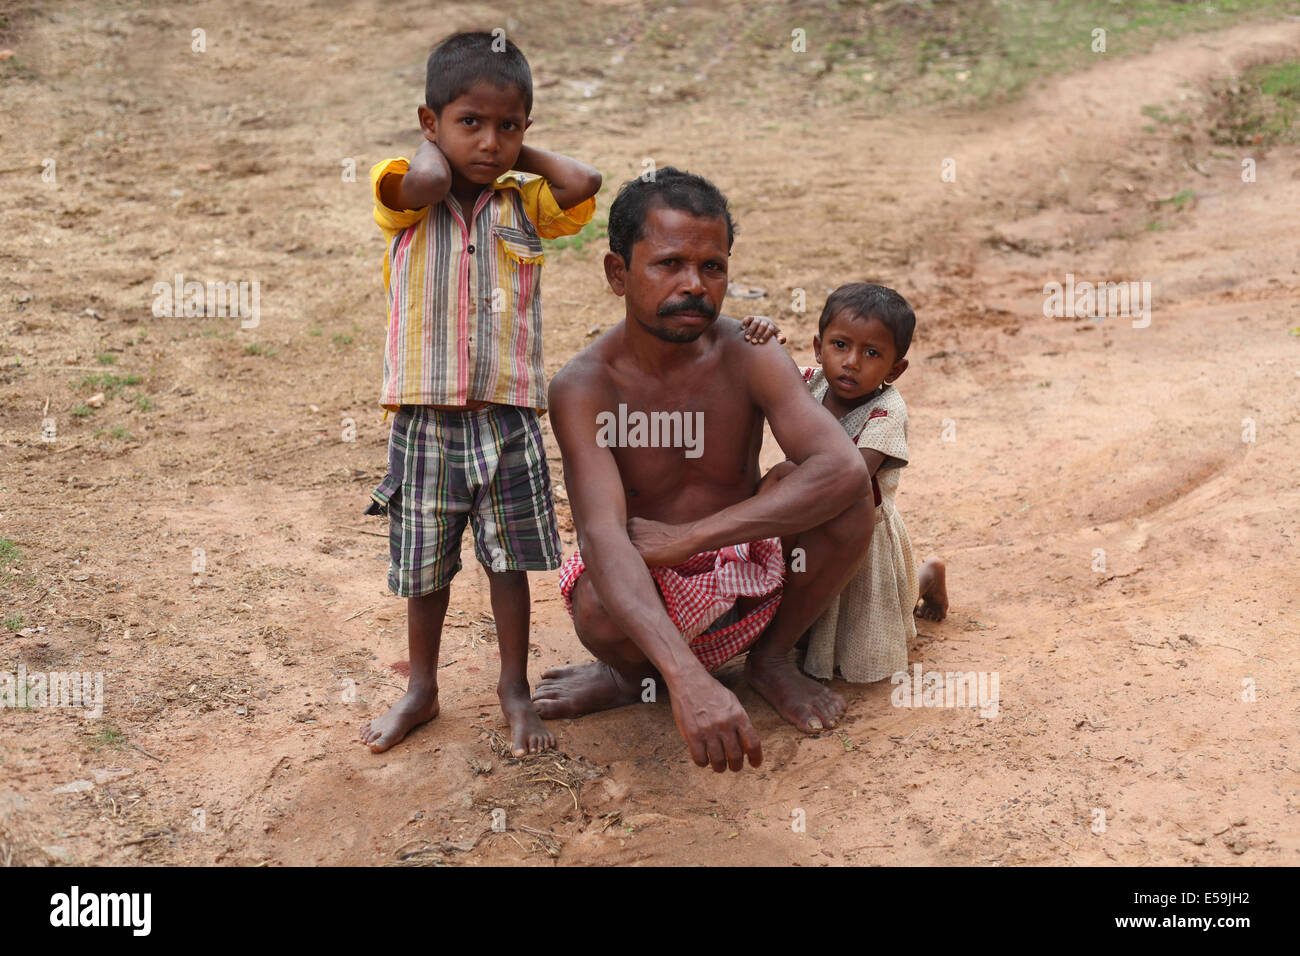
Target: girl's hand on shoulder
column 759, row 328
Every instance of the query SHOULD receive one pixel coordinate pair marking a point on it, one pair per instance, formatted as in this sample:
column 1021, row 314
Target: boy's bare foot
column 799, row 699
column 527, row 733
column 579, row 689
column 412, row 710
column 933, row 581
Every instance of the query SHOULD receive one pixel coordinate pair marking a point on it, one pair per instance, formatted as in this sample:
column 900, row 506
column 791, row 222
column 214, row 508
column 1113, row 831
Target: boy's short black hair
column 670, row 187
column 866, row 300
column 463, row 59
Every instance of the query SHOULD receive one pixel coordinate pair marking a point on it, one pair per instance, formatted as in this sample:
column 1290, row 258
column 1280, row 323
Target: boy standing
column 463, row 363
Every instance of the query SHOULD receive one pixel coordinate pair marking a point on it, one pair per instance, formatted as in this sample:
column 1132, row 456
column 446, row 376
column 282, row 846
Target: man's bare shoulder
column 587, row 373
column 749, row 359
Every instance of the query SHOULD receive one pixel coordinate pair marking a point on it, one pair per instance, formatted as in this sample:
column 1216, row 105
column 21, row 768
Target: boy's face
column 857, row 355
column 480, row 132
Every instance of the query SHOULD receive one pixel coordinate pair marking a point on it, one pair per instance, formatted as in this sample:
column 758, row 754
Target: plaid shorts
column 487, row 467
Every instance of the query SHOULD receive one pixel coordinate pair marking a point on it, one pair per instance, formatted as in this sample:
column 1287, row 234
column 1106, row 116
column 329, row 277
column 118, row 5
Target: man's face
column 480, row 132
column 677, row 279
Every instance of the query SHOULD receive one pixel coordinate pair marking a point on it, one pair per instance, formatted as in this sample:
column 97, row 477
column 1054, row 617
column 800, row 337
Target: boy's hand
column 759, row 328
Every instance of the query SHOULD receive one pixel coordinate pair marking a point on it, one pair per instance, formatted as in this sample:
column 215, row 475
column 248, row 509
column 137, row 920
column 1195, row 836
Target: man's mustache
column 692, row 303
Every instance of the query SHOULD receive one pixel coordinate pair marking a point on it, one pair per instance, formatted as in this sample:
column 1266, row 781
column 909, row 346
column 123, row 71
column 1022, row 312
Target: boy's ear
column 428, row 123
column 527, row 123
column 899, row 368
column 817, row 347
column 615, row 272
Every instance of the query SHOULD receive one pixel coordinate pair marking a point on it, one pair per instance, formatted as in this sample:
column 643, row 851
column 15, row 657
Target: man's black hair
column 463, row 59
column 866, row 300
column 669, row 187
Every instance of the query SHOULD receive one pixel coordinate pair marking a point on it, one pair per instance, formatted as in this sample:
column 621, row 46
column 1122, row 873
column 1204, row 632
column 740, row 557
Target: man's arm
column 596, row 495
column 425, row 183
column 830, row 474
column 571, row 181
column 708, row 715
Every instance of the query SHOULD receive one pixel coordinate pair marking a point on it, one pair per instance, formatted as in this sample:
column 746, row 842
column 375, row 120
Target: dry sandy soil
column 227, row 734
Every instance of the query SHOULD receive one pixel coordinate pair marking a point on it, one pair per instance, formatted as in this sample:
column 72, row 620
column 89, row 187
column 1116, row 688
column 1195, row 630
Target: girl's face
column 857, row 355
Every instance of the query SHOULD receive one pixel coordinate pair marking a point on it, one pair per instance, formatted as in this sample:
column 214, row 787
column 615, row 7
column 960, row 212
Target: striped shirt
column 465, row 305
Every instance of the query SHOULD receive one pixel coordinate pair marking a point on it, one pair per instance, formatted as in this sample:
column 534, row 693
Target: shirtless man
column 642, row 507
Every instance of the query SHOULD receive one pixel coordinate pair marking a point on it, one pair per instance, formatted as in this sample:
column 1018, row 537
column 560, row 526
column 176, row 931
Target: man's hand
column 759, row 328
column 660, row 545
column 716, row 728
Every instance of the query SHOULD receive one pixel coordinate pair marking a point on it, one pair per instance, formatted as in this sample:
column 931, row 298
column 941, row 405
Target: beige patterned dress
column 865, row 631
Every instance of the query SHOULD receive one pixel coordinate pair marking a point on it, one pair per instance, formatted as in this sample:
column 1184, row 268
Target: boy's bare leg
column 511, row 610
column 933, row 582
column 424, row 616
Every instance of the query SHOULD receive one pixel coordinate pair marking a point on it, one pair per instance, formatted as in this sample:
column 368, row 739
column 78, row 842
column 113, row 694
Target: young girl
column 863, row 336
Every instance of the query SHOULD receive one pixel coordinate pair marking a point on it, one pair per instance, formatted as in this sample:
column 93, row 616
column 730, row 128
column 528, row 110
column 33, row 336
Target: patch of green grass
column 1155, row 225
column 14, row 621
column 109, row 384
column 341, row 339
column 120, row 433
column 9, row 556
column 1156, row 113
column 257, row 348
column 107, row 358
column 597, row 230
column 108, row 736
column 144, row 403
column 81, row 411
column 927, row 52
column 1179, row 200
column 1259, row 108
column 316, row 331
column 1281, row 79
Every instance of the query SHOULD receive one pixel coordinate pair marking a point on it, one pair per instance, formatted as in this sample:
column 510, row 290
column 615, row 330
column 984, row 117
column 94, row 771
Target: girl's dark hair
column 670, row 187
column 866, row 300
column 463, row 59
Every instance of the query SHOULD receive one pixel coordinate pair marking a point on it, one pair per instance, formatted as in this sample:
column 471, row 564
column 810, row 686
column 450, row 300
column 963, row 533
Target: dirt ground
column 1118, row 554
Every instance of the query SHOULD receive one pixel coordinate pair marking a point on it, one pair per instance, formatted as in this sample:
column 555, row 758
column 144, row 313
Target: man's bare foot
column 527, row 733
column 933, row 581
column 799, row 699
column 582, row 689
column 413, row 709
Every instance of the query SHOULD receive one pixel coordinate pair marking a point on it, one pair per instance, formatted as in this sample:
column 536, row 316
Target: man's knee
column 774, row 476
column 590, row 619
column 849, row 532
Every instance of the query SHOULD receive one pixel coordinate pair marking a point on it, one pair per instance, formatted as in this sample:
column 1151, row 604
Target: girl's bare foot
column 415, row 708
column 528, row 735
column 933, row 582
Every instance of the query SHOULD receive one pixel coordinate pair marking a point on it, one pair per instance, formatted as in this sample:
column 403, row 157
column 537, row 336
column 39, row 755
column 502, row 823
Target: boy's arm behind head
column 572, row 185
column 416, row 185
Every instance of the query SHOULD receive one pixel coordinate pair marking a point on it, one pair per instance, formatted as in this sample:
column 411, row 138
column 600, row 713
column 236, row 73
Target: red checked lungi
column 704, row 588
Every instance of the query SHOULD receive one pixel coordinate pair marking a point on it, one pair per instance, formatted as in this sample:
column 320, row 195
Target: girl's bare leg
column 933, row 581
